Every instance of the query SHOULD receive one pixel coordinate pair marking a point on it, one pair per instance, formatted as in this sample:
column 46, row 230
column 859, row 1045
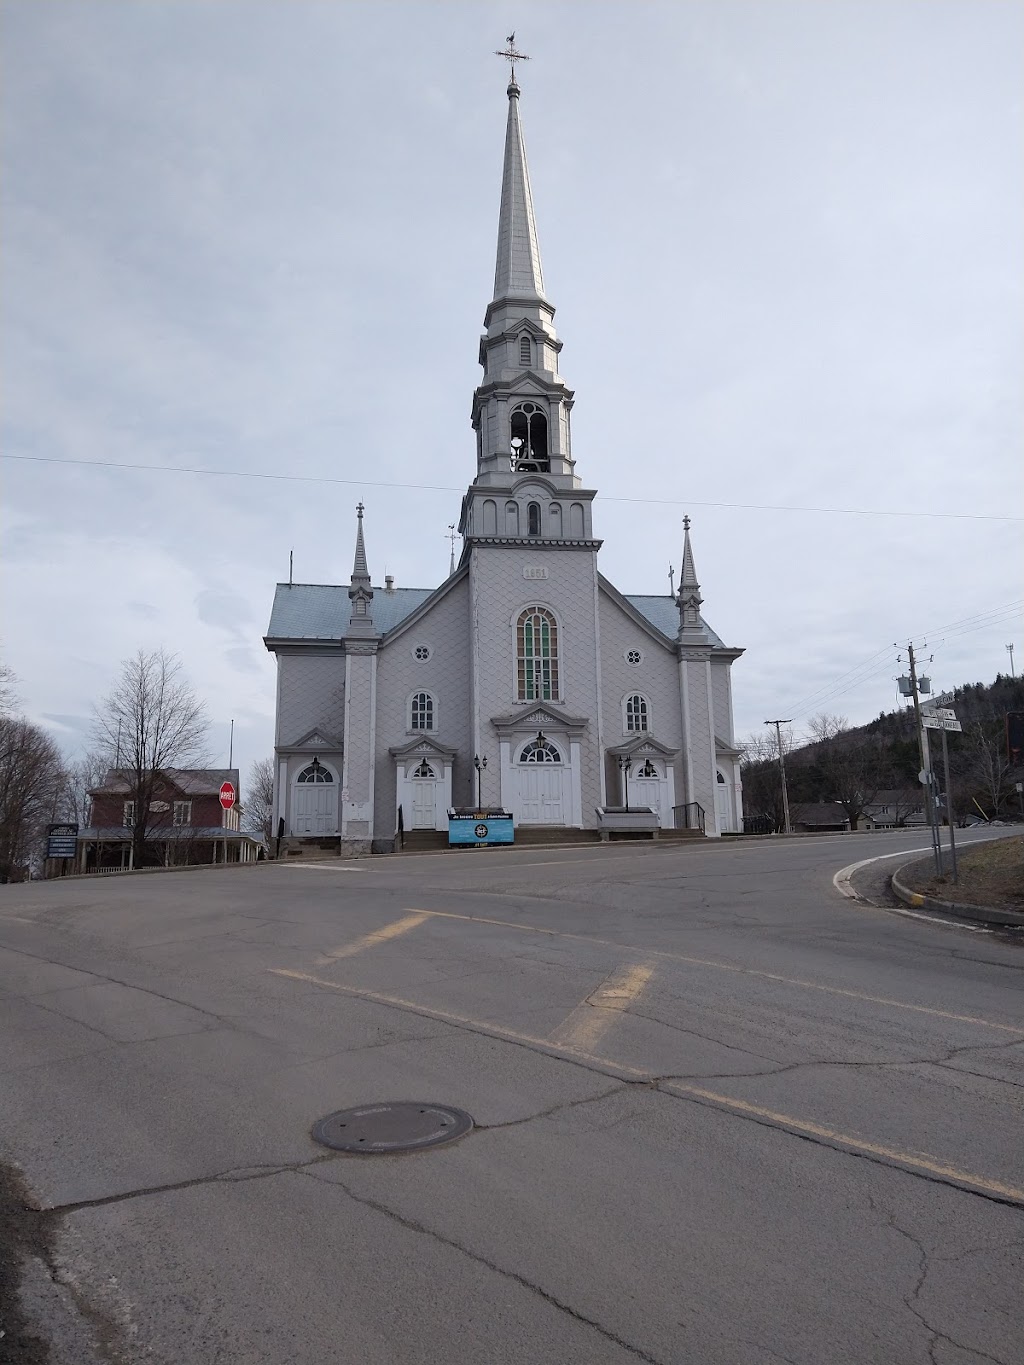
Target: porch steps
column 427, row 840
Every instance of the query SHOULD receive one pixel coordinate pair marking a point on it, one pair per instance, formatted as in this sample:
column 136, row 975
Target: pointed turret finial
column 688, row 599
column 360, row 592
column 517, row 273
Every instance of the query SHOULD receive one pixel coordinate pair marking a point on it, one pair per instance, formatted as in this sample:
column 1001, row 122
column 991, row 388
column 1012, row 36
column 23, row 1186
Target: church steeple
column 360, row 592
column 521, row 409
column 518, row 272
column 688, row 599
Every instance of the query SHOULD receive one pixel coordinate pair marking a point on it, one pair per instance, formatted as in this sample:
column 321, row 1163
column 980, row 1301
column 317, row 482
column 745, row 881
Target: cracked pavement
column 794, row 1137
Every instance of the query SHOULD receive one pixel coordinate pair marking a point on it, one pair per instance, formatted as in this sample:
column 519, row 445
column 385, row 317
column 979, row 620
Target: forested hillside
column 853, row 765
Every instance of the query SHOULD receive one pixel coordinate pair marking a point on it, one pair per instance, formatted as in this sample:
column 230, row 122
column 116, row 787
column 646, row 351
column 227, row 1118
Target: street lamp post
column 479, row 764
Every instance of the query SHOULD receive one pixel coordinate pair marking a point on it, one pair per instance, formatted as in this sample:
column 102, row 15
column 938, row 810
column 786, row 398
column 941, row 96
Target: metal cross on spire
column 511, row 55
column 452, row 535
column 686, row 523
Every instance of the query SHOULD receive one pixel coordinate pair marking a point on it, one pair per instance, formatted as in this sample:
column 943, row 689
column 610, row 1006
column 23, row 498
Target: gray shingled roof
column 321, row 611
column 191, row 781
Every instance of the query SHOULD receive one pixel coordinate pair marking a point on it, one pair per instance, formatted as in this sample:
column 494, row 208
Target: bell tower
column 526, row 485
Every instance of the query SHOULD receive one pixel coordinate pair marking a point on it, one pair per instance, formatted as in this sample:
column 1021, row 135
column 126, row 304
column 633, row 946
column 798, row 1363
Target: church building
column 577, row 696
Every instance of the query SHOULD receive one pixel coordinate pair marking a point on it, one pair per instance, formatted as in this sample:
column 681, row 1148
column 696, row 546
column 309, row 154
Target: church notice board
column 480, row 827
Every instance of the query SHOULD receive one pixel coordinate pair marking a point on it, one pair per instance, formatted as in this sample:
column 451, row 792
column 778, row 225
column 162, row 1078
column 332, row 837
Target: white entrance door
column 645, row 786
column 424, row 797
column 541, row 785
column 315, row 802
column 723, row 804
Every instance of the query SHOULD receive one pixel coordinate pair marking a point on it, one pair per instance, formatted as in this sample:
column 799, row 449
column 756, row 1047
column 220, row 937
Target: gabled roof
column 663, row 614
column 189, row 781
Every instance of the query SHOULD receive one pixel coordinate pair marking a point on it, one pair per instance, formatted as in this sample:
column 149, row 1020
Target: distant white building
column 577, row 695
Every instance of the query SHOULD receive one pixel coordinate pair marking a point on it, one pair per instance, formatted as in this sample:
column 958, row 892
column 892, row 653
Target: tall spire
column 688, row 599
column 518, row 272
column 360, row 592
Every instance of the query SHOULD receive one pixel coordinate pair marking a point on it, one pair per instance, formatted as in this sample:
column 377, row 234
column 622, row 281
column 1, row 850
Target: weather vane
column 511, row 55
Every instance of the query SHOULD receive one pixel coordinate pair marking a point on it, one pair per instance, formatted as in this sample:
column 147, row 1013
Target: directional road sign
column 941, row 723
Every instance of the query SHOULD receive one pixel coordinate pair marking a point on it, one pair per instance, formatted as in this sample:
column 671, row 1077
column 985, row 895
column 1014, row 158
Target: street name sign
column 941, row 723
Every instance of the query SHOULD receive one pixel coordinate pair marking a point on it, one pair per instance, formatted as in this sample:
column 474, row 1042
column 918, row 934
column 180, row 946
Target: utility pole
column 1009, row 650
column 926, row 770
column 782, row 771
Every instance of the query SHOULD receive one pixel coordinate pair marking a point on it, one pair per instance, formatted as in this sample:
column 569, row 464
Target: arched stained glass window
column 540, row 751
column 636, row 712
column 421, row 711
column 537, row 655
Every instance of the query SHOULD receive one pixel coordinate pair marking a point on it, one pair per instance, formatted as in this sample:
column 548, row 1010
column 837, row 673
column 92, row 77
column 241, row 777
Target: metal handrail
column 689, row 816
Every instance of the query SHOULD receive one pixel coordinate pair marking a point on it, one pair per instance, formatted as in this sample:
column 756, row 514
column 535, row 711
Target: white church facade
column 578, row 696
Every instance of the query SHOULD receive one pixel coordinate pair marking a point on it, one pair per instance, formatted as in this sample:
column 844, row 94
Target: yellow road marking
column 731, row 967
column 678, row 1088
column 857, row 1144
column 390, row 931
column 589, row 1021
column 449, row 1017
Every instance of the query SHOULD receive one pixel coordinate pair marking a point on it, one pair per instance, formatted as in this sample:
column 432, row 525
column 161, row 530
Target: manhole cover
column 394, row 1126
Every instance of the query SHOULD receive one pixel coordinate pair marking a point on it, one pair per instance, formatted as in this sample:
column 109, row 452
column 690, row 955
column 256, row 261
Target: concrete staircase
column 527, row 836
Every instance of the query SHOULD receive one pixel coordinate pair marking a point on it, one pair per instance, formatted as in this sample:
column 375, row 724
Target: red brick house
column 187, row 823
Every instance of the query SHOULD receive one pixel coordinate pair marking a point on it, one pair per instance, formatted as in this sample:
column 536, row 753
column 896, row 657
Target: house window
column 128, row 814
column 424, row 770
column 182, row 814
column 421, row 711
column 883, row 810
column 525, row 350
column 636, row 712
column 540, row 751
column 648, row 770
column 315, row 773
column 537, row 655
column 533, row 519
column 720, row 777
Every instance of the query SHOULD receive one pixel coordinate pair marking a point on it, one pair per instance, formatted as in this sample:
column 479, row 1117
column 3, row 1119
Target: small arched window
column 537, row 655
column 722, row 780
column 511, row 518
column 540, row 750
column 525, row 350
column 424, row 770
column 648, row 770
column 316, row 772
column 421, row 711
column 636, row 712
column 533, row 519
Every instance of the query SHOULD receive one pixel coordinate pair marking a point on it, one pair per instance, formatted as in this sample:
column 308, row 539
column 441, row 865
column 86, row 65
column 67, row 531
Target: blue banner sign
column 480, row 827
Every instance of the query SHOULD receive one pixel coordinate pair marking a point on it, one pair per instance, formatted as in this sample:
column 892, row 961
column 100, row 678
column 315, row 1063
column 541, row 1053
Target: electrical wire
column 449, row 488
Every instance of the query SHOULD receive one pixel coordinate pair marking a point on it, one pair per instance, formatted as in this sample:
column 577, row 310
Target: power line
column 451, row 488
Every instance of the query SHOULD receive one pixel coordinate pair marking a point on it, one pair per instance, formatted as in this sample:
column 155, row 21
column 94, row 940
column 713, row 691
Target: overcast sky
column 783, row 239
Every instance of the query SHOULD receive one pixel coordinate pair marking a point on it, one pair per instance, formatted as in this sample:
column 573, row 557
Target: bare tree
column 31, row 783
column 982, row 764
column 81, row 777
column 152, row 722
column 258, row 810
column 850, row 763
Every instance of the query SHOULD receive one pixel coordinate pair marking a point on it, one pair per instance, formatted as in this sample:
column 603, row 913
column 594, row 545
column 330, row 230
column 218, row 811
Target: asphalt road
column 723, row 1113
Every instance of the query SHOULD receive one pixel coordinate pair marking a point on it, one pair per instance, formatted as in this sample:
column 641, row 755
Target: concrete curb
column 984, row 914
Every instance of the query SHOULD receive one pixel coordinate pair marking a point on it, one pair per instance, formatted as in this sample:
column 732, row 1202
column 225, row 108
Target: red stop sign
column 227, row 795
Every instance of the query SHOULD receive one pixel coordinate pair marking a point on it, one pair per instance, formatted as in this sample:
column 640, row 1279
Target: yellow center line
column 679, row 1089
column 390, row 931
column 589, row 1021
column 450, row 1017
column 731, row 967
